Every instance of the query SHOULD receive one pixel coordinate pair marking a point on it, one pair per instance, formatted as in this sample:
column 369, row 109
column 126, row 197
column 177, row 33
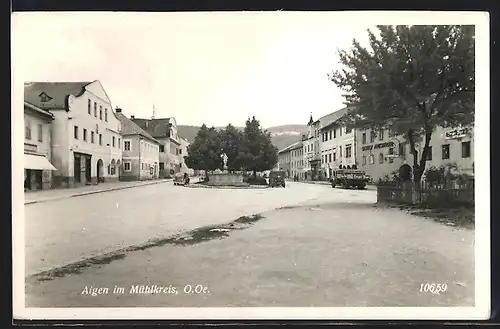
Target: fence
column 432, row 195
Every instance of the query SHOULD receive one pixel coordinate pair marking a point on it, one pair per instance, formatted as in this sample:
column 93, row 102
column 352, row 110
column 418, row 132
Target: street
column 305, row 245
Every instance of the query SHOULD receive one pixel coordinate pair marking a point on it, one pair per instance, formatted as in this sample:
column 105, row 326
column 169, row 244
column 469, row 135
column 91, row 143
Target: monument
column 226, row 178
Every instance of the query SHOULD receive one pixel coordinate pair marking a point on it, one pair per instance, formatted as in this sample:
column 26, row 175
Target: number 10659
column 433, row 288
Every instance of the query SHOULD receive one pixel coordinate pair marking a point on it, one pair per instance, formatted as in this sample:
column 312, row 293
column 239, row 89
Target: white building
column 86, row 140
column 338, row 143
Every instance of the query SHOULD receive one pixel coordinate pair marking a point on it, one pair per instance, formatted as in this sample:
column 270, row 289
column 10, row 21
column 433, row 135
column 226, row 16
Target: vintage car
column 277, row 178
column 181, row 179
column 349, row 178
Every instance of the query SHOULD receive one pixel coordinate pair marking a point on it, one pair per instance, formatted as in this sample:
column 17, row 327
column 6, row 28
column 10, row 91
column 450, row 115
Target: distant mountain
column 281, row 136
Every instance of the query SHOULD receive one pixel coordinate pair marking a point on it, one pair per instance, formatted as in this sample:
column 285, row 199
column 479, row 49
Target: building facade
column 184, row 152
column 284, row 158
column 164, row 130
column 338, row 143
column 311, row 151
column 297, row 160
column 141, row 152
column 37, row 148
column 381, row 153
column 86, row 141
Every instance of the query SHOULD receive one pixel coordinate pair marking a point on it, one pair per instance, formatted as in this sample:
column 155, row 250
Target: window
column 402, row 149
column 92, row 137
column 381, row 134
column 373, row 135
column 340, row 131
column 340, row 151
column 75, row 132
column 162, row 166
column 334, row 156
column 364, row 160
column 95, row 109
column 27, row 129
column 330, row 133
column 126, row 166
column 363, row 138
column 126, row 145
column 162, row 148
column 429, row 155
column 113, row 141
column 391, row 152
column 180, row 151
column 348, row 130
column 84, row 134
column 348, row 151
column 445, row 150
column 372, row 159
column 334, row 133
column 465, row 149
column 106, row 115
column 89, row 107
column 100, row 139
column 40, row 132
column 119, row 143
column 330, row 157
column 100, row 112
column 381, row 158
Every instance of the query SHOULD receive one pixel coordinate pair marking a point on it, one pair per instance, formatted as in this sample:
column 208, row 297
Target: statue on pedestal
column 224, row 158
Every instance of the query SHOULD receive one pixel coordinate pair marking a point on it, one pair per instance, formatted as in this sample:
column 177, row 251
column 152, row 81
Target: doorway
column 100, row 171
column 77, row 168
column 88, row 172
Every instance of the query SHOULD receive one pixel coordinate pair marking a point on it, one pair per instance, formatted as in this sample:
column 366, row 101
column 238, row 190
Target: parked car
column 277, row 178
column 181, row 179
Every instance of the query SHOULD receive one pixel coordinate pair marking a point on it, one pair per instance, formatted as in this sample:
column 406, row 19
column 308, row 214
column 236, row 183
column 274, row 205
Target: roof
column 38, row 110
column 130, row 128
column 55, row 93
column 291, row 147
column 155, row 127
column 331, row 119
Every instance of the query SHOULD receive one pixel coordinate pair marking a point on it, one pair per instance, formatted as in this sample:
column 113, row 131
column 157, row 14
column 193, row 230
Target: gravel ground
column 336, row 249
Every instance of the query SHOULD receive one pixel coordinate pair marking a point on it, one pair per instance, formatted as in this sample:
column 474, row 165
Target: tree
column 205, row 153
column 259, row 152
column 233, row 146
column 413, row 79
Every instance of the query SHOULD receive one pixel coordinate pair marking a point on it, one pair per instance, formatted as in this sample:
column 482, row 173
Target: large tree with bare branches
column 411, row 79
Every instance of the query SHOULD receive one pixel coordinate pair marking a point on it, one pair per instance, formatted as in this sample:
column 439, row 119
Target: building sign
column 32, row 148
column 377, row 146
column 457, row 133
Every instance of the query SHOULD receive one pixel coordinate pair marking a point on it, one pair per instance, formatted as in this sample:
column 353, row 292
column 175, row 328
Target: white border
column 482, row 163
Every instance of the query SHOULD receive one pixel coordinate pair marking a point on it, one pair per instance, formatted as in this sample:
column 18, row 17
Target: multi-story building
column 338, row 143
column 311, row 150
column 141, row 152
column 381, row 152
column 37, row 153
column 183, row 151
column 284, row 158
column 164, row 130
column 86, row 140
column 297, row 160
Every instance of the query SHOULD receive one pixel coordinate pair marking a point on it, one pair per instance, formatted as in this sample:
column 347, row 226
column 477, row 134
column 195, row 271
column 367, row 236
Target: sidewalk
column 63, row 193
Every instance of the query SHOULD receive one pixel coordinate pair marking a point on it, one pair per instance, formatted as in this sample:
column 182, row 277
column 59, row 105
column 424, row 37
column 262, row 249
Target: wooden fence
column 443, row 195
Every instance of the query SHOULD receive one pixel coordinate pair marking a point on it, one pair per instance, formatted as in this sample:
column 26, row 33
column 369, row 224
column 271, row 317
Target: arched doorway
column 118, row 167
column 113, row 167
column 100, row 171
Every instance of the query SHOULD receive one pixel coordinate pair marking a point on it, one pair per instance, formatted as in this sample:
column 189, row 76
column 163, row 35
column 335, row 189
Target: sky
column 212, row 68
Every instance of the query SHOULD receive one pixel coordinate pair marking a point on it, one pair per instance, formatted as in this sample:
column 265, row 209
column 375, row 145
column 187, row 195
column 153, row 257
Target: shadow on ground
column 190, row 238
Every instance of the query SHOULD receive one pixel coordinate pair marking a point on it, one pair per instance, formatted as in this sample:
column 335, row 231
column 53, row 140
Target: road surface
column 322, row 247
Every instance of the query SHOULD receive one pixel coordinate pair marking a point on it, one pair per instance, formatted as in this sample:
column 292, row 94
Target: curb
column 92, row 192
column 227, row 187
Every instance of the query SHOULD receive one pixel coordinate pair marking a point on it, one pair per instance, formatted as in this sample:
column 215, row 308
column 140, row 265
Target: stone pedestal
column 225, row 179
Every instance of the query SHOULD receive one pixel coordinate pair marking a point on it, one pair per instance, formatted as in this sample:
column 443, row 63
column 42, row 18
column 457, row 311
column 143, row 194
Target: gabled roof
column 155, row 127
column 291, row 147
column 331, row 119
column 52, row 94
column 32, row 107
column 130, row 128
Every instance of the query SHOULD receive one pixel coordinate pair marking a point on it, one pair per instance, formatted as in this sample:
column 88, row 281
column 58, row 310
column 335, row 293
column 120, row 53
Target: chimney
column 132, row 117
column 118, row 110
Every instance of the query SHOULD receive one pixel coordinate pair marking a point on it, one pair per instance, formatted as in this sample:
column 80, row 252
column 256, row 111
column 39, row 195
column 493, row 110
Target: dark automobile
column 277, row 178
column 181, row 179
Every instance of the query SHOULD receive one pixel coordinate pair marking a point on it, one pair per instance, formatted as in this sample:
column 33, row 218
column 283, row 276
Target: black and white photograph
column 251, row 165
